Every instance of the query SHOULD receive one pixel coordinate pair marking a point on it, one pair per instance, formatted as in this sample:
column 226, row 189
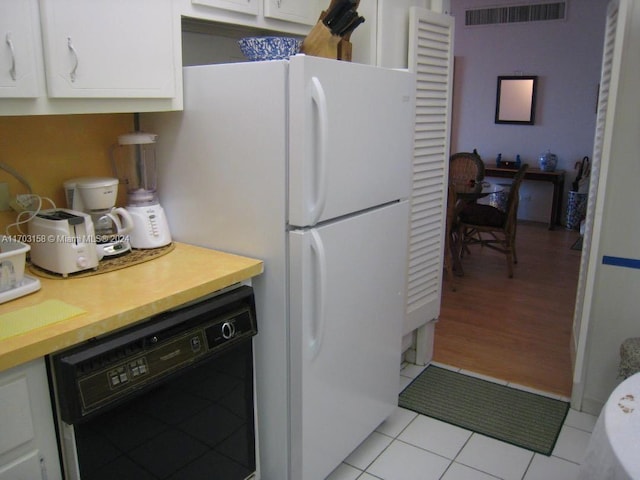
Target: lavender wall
column 566, row 56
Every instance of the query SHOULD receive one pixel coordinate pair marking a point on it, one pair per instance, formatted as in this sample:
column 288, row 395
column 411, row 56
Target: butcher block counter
column 120, row 298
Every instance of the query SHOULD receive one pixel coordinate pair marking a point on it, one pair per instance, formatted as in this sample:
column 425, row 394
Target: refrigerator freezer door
column 347, row 284
column 351, row 137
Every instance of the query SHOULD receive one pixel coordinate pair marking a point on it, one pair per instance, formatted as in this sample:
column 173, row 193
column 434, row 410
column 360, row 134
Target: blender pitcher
column 134, row 163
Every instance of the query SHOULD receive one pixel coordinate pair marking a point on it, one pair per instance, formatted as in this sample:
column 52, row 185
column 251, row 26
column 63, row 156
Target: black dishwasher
column 169, row 398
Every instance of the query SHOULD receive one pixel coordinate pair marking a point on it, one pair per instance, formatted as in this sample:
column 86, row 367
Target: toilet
column 613, row 452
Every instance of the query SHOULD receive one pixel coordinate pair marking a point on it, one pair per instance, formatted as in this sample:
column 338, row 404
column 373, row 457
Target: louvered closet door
column 431, row 58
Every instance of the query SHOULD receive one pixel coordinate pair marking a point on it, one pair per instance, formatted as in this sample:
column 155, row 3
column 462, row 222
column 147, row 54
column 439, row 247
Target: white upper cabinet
column 108, row 48
column 279, row 16
column 242, row 6
column 19, row 55
column 305, row 11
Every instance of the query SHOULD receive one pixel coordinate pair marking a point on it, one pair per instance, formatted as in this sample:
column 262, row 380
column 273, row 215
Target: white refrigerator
column 305, row 164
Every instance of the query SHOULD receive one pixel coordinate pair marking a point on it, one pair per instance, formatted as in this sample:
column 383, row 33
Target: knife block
column 321, row 43
column 344, row 50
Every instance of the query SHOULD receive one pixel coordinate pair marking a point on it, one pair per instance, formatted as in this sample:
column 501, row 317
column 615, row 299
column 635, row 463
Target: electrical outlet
column 23, row 202
column 15, row 206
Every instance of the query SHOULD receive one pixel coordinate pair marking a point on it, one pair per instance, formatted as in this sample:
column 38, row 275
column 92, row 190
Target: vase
column 548, row 161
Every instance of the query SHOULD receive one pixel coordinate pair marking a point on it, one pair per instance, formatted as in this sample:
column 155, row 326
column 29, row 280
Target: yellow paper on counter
column 30, row 318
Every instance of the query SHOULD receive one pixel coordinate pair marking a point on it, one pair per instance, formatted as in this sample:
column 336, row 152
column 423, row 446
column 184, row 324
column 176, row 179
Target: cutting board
column 36, row 316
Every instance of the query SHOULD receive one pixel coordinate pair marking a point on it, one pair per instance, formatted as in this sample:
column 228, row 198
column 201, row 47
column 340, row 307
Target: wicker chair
column 450, row 254
column 466, row 168
column 487, row 226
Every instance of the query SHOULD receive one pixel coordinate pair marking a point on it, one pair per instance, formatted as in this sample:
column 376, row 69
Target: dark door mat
column 520, row 418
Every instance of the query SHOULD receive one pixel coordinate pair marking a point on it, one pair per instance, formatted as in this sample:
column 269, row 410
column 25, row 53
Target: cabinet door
column 242, row 6
column 306, row 12
column 28, row 447
column 346, row 289
column 18, row 52
column 338, row 134
column 24, row 467
column 108, row 48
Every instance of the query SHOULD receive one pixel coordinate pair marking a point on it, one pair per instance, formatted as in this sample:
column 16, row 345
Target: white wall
column 393, row 29
column 393, row 32
column 566, row 56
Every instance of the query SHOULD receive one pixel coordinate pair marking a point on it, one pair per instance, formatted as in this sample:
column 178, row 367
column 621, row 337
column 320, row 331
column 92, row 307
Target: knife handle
column 346, row 32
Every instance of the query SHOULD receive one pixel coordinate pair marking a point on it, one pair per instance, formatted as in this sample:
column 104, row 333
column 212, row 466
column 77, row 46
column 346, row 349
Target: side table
column 556, row 177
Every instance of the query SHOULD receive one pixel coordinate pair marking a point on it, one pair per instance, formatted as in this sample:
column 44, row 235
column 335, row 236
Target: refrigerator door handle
column 317, row 317
column 320, row 99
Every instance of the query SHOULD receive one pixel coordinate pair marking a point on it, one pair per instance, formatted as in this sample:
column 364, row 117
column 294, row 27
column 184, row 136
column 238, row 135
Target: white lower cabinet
column 28, row 448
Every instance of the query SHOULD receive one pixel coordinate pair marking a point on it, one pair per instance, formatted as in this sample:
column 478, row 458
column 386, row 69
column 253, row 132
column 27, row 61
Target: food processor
column 97, row 197
column 134, row 163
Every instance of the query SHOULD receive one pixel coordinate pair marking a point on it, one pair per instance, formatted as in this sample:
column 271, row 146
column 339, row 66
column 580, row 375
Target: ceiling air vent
column 516, row 14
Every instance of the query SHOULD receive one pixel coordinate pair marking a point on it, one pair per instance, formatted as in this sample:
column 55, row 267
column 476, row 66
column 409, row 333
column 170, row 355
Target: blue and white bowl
column 269, row 48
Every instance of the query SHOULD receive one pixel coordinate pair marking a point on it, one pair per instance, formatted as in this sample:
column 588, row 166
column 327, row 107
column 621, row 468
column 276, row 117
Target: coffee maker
column 134, row 163
column 97, row 197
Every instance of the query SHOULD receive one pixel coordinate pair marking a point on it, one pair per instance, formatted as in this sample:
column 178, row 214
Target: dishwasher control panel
column 105, row 371
column 158, row 360
column 132, row 370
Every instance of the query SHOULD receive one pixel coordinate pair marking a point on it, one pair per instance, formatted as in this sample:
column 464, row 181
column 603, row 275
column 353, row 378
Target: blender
column 97, row 197
column 134, row 162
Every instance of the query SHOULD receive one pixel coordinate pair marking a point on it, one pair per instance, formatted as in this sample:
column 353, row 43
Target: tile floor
column 409, row 446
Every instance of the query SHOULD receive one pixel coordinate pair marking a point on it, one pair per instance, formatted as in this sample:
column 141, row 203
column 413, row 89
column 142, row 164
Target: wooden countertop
column 116, row 299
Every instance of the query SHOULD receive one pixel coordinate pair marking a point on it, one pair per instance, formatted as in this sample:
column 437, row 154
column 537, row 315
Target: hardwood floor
column 516, row 329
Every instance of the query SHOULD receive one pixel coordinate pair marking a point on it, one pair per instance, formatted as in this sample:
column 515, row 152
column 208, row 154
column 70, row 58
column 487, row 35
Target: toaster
column 63, row 241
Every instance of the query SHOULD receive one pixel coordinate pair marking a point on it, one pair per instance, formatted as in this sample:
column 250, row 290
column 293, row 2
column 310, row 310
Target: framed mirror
column 516, row 99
